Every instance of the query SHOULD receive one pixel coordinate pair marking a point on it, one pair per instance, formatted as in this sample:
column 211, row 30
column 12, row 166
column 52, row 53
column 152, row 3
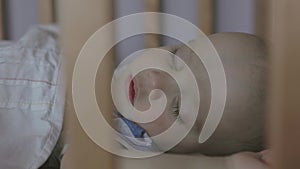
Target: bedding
column 32, row 98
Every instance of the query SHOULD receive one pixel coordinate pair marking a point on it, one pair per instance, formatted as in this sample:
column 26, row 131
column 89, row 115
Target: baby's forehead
column 166, row 58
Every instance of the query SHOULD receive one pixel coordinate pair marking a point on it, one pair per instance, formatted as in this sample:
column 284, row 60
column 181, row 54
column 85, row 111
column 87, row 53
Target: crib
column 275, row 24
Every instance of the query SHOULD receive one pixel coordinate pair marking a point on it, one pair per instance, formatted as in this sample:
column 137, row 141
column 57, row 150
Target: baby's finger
column 266, row 156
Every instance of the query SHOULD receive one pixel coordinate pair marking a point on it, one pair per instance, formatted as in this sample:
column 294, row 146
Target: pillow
column 31, row 99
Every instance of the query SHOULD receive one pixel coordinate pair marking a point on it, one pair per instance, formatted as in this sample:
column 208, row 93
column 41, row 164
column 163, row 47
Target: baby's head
column 241, row 127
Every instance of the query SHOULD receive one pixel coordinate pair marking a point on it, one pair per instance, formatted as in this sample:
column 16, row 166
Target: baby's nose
column 155, row 79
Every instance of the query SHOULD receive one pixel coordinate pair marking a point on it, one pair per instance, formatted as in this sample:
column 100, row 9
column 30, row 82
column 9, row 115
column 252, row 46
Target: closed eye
column 175, row 106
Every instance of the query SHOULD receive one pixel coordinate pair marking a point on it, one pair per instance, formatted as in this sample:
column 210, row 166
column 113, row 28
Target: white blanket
column 31, row 99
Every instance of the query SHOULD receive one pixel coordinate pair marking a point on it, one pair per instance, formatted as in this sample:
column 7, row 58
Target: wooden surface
column 285, row 82
column 206, row 16
column 79, row 20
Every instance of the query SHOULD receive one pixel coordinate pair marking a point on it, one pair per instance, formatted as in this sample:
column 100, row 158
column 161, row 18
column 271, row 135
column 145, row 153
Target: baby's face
column 139, row 91
column 146, row 81
column 241, row 127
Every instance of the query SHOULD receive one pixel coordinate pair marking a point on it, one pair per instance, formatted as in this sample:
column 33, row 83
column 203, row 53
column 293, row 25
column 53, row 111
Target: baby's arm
column 244, row 160
column 174, row 161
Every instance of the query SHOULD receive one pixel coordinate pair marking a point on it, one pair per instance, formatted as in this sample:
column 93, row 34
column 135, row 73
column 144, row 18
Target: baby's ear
column 185, row 53
column 182, row 51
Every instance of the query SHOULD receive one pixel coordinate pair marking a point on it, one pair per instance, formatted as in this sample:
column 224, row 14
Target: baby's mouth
column 131, row 92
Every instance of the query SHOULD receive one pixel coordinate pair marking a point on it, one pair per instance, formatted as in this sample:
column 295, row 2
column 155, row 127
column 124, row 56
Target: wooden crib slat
column 2, row 20
column 285, row 82
column 151, row 40
column 79, row 19
column 46, row 11
column 206, row 16
column 263, row 21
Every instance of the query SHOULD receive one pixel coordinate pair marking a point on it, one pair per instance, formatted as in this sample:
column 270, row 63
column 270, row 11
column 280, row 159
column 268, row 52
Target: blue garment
column 133, row 137
column 136, row 130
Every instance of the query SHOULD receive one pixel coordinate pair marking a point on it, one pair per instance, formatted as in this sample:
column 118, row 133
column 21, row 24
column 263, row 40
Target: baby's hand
column 249, row 160
column 266, row 156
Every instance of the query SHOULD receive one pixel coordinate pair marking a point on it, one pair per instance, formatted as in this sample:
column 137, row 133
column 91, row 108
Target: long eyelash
column 176, row 108
column 175, row 111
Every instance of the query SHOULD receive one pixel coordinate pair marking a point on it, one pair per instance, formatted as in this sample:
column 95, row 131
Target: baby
column 242, row 125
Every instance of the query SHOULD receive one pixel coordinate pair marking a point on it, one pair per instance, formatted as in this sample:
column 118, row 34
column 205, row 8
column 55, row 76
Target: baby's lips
column 131, row 92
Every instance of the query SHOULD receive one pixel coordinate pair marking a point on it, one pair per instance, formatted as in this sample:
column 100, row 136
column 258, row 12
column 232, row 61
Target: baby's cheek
column 159, row 125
